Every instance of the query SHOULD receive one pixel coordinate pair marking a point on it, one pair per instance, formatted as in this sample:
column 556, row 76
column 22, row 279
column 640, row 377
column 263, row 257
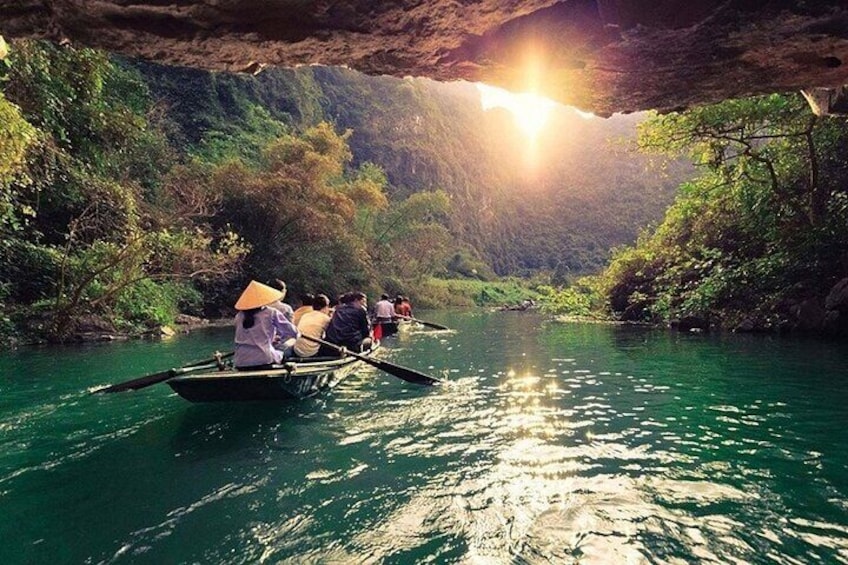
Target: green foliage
column 29, row 271
column 580, row 300
column 245, row 142
column 761, row 228
column 88, row 223
column 16, row 137
column 440, row 293
column 464, row 263
column 147, row 301
column 87, row 105
column 293, row 210
column 408, row 238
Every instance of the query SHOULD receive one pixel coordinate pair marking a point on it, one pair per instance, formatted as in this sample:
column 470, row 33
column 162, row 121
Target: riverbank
column 92, row 329
column 801, row 310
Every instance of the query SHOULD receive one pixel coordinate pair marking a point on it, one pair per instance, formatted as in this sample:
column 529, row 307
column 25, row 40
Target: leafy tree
column 408, row 238
column 295, row 210
column 762, row 227
column 86, row 233
column 16, row 137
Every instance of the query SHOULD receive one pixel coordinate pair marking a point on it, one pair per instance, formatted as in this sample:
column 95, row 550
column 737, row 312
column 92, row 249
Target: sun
column 530, row 111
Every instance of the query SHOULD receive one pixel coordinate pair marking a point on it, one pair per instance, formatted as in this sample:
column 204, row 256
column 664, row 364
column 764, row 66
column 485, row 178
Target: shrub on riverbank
column 467, row 293
column 581, row 299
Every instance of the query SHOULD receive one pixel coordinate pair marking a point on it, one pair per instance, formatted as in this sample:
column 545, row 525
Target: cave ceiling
column 603, row 56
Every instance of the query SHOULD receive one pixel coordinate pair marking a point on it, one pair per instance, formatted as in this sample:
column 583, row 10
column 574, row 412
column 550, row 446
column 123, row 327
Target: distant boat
column 293, row 379
column 391, row 328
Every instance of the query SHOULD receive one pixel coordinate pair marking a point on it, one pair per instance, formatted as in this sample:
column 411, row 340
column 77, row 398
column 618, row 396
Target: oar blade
column 432, row 325
column 405, row 373
column 409, row 375
column 425, row 323
column 138, row 383
column 162, row 376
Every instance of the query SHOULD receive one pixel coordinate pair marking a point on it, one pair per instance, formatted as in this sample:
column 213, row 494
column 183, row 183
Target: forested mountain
column 131, row 192
column 559, row 209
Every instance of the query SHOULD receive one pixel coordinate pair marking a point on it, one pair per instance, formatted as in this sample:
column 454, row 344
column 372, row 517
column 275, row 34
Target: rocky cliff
column 604, row 56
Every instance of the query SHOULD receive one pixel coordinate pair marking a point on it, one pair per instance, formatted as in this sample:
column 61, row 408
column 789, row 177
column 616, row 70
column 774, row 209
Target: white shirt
column 384, row 309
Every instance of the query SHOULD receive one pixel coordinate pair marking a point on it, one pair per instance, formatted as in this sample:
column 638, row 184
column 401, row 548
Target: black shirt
column 348, row 326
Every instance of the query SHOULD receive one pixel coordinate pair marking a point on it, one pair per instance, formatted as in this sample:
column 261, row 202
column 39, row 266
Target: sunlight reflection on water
column 583, row 465
column 551, row 444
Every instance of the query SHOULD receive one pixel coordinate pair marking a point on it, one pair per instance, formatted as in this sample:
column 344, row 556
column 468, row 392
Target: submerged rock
column 690, row 323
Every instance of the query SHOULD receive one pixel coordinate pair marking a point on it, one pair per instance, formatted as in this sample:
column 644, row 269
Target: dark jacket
column 348, row 326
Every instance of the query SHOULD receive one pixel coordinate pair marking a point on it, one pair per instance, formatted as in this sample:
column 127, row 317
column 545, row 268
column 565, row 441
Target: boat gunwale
column 288, row 369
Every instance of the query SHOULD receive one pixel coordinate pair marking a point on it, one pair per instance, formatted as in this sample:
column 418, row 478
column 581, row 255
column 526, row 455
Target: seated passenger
column 286, row 310
column 349, row 326
column 306, row 301
column 402, row 307
column 384, row 317
column 313, row 324
column 259, row 328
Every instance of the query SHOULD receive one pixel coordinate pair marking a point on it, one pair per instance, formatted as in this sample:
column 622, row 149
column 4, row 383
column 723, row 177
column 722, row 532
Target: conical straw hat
column 257, row 295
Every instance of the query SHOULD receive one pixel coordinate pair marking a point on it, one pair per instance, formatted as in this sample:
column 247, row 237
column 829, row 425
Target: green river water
column 552, row 443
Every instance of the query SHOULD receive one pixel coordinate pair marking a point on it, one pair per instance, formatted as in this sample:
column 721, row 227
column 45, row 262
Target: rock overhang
column 602, row 56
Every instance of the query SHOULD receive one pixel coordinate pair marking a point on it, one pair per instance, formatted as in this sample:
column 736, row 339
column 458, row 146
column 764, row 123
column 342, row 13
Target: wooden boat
column 388, row 329
column 293, row 379
column 392, row 328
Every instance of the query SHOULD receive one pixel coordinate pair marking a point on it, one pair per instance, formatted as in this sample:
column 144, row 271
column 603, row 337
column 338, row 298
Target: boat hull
column 388, row 328
column 291, row 380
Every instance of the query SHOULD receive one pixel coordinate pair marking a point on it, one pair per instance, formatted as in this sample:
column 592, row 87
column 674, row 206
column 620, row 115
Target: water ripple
column 551, row 444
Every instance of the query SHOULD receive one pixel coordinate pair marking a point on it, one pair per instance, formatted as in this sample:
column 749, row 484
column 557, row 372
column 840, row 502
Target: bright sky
column 530, row 111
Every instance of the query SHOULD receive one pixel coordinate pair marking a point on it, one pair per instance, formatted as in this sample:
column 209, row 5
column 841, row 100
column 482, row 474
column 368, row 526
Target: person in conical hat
column 257, row 295
column 259, row 328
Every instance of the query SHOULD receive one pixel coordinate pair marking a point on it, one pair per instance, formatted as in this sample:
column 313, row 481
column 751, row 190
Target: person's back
column 306, row 302
column 384, row 310
column 349, row 326
column 312, row 324
column 258, row 326
column 402, row 307
column 284, row 308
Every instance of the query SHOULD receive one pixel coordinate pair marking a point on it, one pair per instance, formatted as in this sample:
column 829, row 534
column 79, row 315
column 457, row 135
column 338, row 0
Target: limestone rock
column 188, row 320
column 809, row 315
column 690, row 323
column 603, row 56
column 837, row 298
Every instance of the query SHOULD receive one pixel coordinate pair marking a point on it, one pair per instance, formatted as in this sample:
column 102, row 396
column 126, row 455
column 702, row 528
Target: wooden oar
column 409, row 375
column 423, row 323
column 162, row 376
